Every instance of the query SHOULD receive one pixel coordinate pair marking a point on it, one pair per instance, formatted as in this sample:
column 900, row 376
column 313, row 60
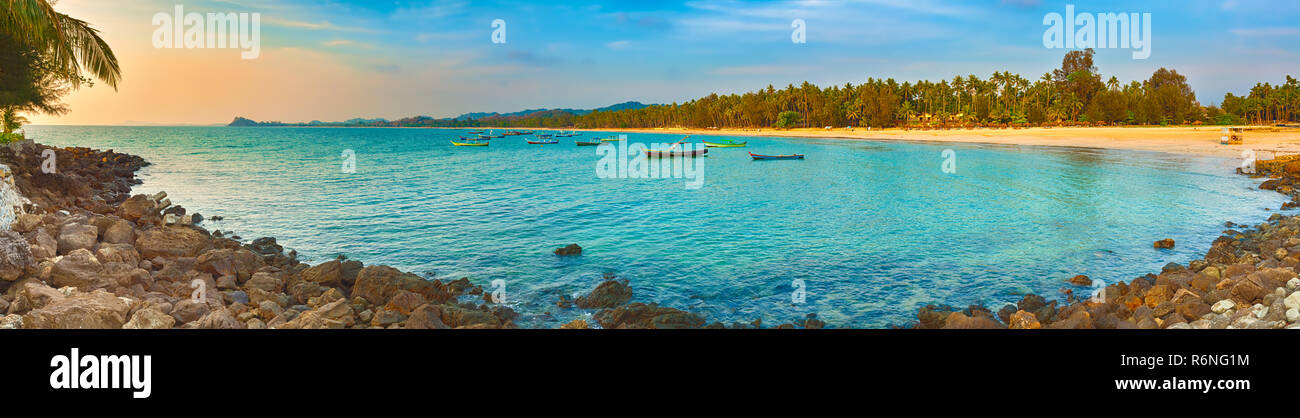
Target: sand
column 1178, row 140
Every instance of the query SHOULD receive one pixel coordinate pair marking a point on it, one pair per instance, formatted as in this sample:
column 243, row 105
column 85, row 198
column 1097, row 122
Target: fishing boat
column 544, row 142
column 470, row 144
column 699, row 152
column 464, row 139
column 544, row 136
column 776, row 157
column 725, row 143
column 586, row 143
column 610, row 139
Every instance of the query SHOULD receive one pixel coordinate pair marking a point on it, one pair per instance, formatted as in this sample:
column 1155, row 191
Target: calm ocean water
column 874, row 229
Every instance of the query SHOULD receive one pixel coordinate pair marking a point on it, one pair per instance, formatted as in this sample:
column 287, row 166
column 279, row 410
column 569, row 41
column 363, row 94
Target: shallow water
column 874, row 229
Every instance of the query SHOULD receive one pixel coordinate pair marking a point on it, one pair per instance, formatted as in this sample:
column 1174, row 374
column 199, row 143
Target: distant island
column 530, row 118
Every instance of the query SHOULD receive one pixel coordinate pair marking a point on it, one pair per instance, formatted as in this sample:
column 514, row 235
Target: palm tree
column 10, row 120
column 70, row 44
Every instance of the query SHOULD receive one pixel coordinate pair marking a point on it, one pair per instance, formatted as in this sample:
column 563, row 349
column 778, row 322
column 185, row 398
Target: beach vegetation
column 44, row 55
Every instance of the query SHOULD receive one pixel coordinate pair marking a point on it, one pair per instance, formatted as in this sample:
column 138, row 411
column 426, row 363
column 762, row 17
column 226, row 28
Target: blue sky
column 401, row 58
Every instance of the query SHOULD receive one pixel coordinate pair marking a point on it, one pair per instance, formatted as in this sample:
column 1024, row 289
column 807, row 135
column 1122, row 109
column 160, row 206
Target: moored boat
column 544, row 142
column 586, row 143
column 610, row 139
column 776, row 157
column 725, row 143
column 470, row 144
column 700, row 152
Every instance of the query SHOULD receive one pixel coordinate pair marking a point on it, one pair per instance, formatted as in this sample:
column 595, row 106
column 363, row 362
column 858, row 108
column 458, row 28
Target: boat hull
column 724, row 145
column 703, row 152
column 469, row 144
column 776, row 157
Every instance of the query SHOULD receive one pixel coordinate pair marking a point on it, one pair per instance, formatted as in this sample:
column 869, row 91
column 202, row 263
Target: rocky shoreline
column 85, row 253
column 1247, row 280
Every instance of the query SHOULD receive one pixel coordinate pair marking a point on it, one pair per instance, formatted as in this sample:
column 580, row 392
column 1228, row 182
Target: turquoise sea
column 873, row 229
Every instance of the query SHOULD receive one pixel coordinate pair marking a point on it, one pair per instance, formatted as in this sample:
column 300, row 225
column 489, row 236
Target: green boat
column 724, row 143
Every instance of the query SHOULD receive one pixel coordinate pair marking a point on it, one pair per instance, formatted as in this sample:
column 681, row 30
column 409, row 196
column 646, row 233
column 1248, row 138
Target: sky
column 334, row 60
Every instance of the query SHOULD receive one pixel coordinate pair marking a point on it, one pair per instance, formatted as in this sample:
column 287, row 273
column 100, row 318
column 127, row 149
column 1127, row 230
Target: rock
column 240, row 263
column 1259, row 311
column 424, row 317
column 608, row 294
column 1292, row 301
column 1248, row 290
column 11, row 321
column 120, row 232
column 405, row 302
column 221, row 318
column 15, row 256
column 334, row 315
column 1293, row 315
column 329, row 295
column 378, row 284
column 80, row 269
column 1293, row 284
column 1080, row 280
column 957, row 320
column 136, row 207
column 29, row 294
column 170, row 242
column 149, row 318
column 386, row 317
column 1222, row 306
column 1164, row 243
column 26, row 222
column 189, row 310
column 329, row 274
column 1023, row 320
column 77, row 236
column 117, row 253
column 640, row 315
column 575, row 324
column 569, row 250
column 94, row 310
column 264, row 281
column 1192, row 310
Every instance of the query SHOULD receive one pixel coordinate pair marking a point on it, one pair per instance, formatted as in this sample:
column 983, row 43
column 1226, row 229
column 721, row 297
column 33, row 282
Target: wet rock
column 405, row 302
column 569, row 250
column 640, row 315
column 378, row 284
column 1080, row 280
column 1023, row 320
column 957, row 320
column 329, row 273
column 608, row 294
column 1164, row 243
column 575, row 324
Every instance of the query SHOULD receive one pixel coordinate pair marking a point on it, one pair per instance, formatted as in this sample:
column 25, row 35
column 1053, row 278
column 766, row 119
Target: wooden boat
column 470, row 144
column 586, row 143
column 470, row 139
column 543, row 136
column 724, row 144
column 776, row 157
column 702, row 152
column 610, row 139
column 544, row 142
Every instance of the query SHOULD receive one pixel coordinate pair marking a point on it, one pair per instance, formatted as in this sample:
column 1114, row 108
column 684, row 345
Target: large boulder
column 379, row 283
column 43, row 245
column 334, row 315
column 136, row 207
column 15, row 256
column 77, row 236
column 329, row 273
column 424, row 317
column 149, row 318
column 31, row 293
column 95, row 310
column 640, row 315
column 171, row 241
column 117, row 253
column 240, row 263
column 608, row 294
column 80, row 269
column 120, row 232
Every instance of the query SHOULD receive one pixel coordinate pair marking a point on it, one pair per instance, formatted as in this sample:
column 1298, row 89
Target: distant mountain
column 579, row 112
column 520, row 118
